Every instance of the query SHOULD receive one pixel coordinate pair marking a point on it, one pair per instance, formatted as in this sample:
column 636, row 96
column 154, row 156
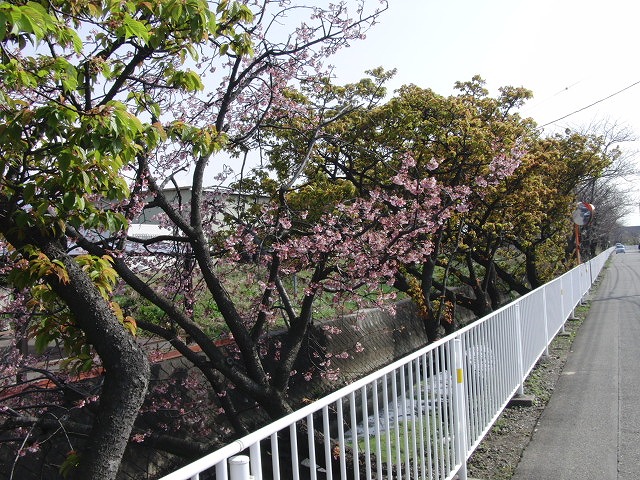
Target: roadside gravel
column 498, row 454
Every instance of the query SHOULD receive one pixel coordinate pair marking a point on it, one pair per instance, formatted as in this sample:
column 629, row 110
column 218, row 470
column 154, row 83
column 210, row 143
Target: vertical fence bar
column 312, row 447
column 562, row 314
column 366, row 434
column 387, row 423
column 572, row 276
column 222, row 472
column 446, row 361
column 473, row 387
column 295, row 464
column 354, row 435
column 414, row 421
column 327, row 442
column 436, row 409
column 343, row 461
column 256, row 460
column 479, row 385
column 405, row 426
column 547, row 340
column 396, row 423
column 429, row 419
column 490, row 381
column 421, row 406
column 460, row 410
column 376, row 415
column 501, row 350
column 441, row 411
column 472, row 369
column 520, row 349
column 275, row 456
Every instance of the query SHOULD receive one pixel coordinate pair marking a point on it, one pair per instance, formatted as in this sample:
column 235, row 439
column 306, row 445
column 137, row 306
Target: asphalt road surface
column 590, row 430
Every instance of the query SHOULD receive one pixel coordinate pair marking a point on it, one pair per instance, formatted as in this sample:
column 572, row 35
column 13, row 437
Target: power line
column 530, row 108
column 566, row 88
column 591, row 105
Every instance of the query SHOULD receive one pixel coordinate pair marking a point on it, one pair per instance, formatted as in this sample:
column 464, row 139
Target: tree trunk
column 431, row 324
column 126, row 365
column 492, row 288
column 532, row 269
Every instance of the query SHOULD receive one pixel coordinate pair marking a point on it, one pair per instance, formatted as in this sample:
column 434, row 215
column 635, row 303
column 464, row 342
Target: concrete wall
column 372, row 338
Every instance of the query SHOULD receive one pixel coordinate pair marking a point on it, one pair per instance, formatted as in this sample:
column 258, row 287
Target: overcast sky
column 570, row 53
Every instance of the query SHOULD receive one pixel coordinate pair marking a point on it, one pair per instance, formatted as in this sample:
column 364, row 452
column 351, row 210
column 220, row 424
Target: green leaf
column 87, row 365
column 29, row 191
column 42, row 342
column 70, row 463
column 134, row 28
column 94, row 10
column 154, row 109
column 86, row 182
column 22, row 219
column 64, row 161
column 106, row 69
column 189, row 80
column 33, row 21
column 80, row 203
column 76, row 41
column 192, row 52
column 3, row 25
column 68, row 200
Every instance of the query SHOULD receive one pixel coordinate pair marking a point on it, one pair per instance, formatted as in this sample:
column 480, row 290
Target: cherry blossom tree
column 95, row 128
column 518, row 187
column 462, row 144
column 356, row 198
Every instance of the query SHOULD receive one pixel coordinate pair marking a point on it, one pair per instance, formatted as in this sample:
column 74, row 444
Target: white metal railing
column 420, row 417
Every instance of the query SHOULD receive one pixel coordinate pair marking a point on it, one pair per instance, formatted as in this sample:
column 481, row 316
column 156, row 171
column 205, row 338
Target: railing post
column 461, row 415
column 239, row 468
column 572, row 315
column 520, row 349
column 547, row 340
column 563, row 319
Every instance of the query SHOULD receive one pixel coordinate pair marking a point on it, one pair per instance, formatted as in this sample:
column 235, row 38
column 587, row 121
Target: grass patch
column 243, row 285
column 393, row 442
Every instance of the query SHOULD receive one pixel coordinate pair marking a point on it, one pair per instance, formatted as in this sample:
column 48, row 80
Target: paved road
column 590, row 430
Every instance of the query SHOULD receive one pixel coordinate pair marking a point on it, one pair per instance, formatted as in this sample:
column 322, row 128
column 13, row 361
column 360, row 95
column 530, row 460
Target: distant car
column 620, row 248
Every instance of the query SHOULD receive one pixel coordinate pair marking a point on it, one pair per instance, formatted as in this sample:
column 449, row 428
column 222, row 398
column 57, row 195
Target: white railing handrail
column 579, row 285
